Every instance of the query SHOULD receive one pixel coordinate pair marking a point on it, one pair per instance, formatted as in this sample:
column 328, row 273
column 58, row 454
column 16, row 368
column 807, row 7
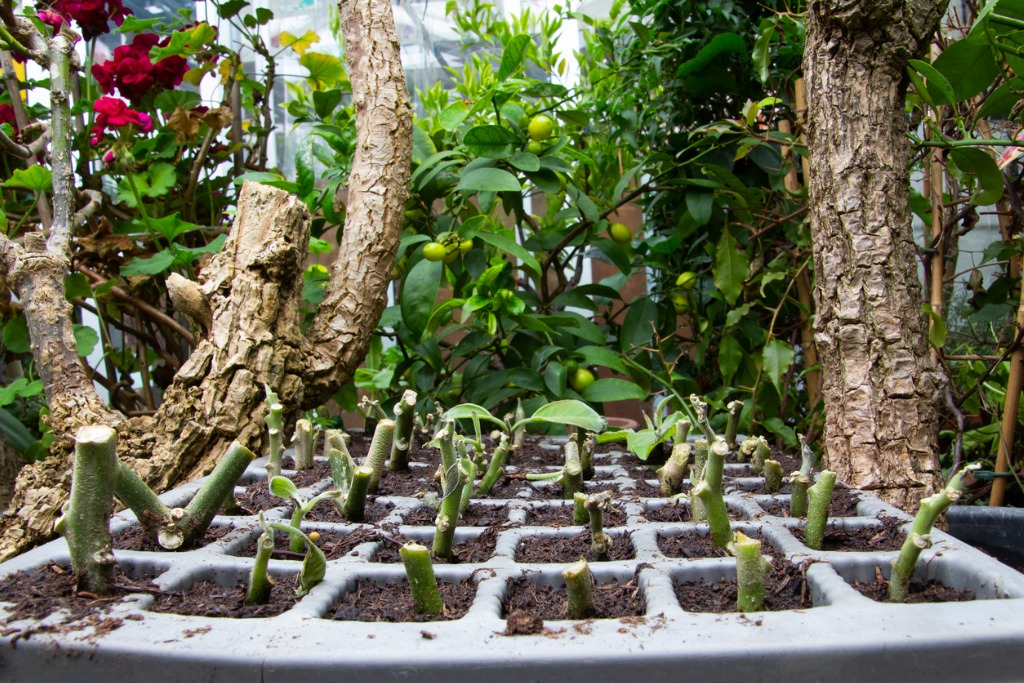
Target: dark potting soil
column 137, row 538
column 668, row 513
column 528, row 602
column 919, row 591
column 757, row 487
column 694, row 546
column 477, row 549
column 844, row 504
column 561, row 515
column 889, row 536
column 532, row 457
column 643, row 489
column 327, row 511
column 475, row 515
column 371, row 601
column 552, row 491
column 258, row 498
column 570, row 549
column 318, row 472
column 785, row 588
column 335, row 544
column 39, row 593
column 208, row 599
column 509, row 485
column 409, row 483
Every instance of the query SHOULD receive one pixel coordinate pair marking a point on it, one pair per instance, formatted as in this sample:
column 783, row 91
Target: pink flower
column 91, row 15
column 113, row 114
column 132, row 73
column 51, row 19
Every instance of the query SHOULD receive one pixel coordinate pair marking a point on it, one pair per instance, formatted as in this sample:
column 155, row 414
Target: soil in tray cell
column 209, row 599
column 668, row 513
column 561, row 515
column 137, row 538
column 38, row 593
column 570, row 549
column 694, row 546
column 409, row 483
column 335, row 544
column 785, row 588
column 844, row 504
column 327, row 511
column 527, row 603
column 478, row 549
column 475, row 515
column 889, row 536
column 919, row 591
column 258, row 498
column 532, row 457
column 318, row 472
column 643, row 489
column 553, row 491
column 371, row 601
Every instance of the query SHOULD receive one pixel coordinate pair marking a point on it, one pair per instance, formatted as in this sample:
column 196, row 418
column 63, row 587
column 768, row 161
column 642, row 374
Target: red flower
column 92, row 15
column 7, row 116
column 132, row 73
column 113, row 114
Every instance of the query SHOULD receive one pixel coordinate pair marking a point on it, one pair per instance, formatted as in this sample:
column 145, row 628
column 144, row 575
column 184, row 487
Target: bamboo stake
column 1013, row 388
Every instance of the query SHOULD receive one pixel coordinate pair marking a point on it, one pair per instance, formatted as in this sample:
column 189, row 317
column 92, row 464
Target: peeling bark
column 880, row 387
column 253, row 287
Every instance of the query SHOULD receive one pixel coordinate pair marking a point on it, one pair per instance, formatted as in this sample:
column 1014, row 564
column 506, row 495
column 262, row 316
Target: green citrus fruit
column 535, row 147
column 620, row 233
column 581, row 379
column 434, row 251
column 687, row 280
column 466, row 246
column 680, row 302
column 541, row 127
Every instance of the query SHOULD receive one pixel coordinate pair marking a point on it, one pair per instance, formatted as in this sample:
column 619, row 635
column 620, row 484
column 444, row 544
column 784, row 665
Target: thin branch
column 140, row 305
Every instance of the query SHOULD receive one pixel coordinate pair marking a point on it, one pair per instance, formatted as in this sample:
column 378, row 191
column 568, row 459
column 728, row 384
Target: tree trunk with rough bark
column 881, row 390
column 252, row 290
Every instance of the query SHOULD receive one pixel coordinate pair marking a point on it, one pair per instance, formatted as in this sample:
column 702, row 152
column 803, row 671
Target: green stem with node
column 496, row 467
column 819, row 496
column 772, row 476
column 919, row 536
column 275, row 436
column 580, row 514
column 709, row 492
column 733, row 424
column 673, row 473
column 354, row 506
column 176, row 527
column 600, row 542
column 751, row 570
column 700, row 458
column 302, row 442
column 260, row 582
column 453, row 481
column 519, row 434
column 401, row 444
column 700, row 408
column 579, row 583
column 587, row 455
column 86, row 519
column 380, row 447
column 469, row 467
column 801, row 480
column 422, row 580
column 682, row 431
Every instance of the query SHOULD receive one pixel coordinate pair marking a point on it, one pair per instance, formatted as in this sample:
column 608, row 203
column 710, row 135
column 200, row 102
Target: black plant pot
column 1000, row 531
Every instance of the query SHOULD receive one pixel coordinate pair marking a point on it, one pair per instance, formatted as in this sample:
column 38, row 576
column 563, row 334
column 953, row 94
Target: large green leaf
column 510, row 246
column 86, row 339
column 732, row 267
column 638, row 327
column 185, row 43
column 778, row 357
column 730, row 353
column 969, row 67
column 723, row 42
column 488, row 180
column 603, row 356
column 512, row 57
column 604, row 390
column 419, row 292
column 452, row 116
column 158, row 263
column 35, row 178
column 15, row 335
column 567, row 412
column 467, row 411
column 938, row 88
column 492, row 142
column 325, row 71
column 978, row 163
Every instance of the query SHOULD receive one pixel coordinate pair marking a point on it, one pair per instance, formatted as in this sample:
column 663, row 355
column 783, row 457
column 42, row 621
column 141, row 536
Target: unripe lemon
column 541, row 127
column 687, row 280
column 466, row 246
column 434, row 251
column 620, row 233
column 581, row 379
